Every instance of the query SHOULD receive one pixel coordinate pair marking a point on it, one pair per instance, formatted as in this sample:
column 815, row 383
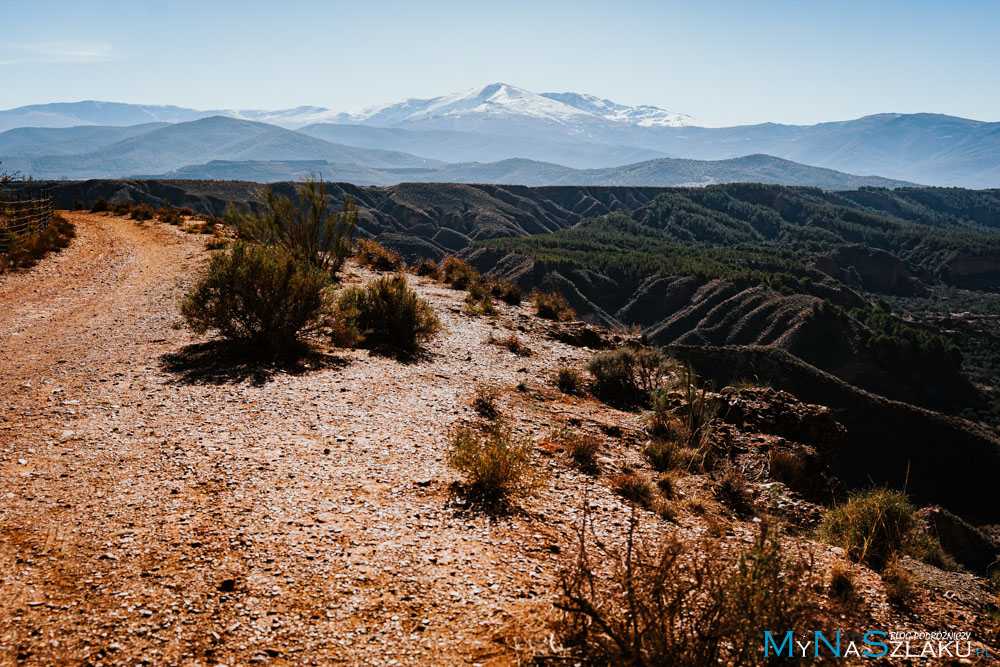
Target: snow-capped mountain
column 643, row 115
column 495, row 102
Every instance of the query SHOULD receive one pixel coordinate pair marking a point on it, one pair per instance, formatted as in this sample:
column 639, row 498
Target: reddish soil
column 160, row 506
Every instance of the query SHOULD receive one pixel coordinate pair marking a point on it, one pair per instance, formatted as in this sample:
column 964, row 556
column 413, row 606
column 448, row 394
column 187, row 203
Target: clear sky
column 722, row 62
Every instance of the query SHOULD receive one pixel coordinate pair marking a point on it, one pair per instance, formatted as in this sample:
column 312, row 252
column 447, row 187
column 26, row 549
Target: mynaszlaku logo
column 873, row 644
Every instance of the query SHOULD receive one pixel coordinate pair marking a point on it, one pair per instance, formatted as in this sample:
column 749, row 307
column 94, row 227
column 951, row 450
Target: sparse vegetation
column 142, row 213
column 478, row 300
column 305, row 229
column 841, row 584
column 627, row 376
column 102, row 205
column 24, row 250
column 123, row 207
column 898, row 581
column 373, row 254
column 457, row 273
column 552, row 306
column 511, row 343
column 385, row 312
column 569, row 381
column 486, row 400
column 507, row 291
column 734, row 492
column 495, row 463
column 427, row 267
column 634, row 487
column 257, row 295
column 681, row 605
column 582, row 448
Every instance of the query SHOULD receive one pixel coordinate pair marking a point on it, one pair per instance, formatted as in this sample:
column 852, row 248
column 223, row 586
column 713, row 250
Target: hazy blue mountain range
column 495, row 123
column 214, row 138
column 518, row 171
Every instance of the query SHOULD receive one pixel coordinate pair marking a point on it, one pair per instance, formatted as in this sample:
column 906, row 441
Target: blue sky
column 722, row 62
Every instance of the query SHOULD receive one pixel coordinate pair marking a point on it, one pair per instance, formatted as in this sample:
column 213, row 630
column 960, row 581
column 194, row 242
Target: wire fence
column 23, row 216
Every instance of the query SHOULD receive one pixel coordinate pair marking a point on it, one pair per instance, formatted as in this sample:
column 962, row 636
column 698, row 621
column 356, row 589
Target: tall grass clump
column 873, row 526
column 681, row 604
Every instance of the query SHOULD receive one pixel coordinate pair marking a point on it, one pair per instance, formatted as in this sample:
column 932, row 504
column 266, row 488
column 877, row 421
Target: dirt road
column 157, row 508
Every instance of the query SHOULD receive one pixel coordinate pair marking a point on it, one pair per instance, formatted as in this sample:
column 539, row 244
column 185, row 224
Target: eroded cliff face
column 871, row 269
column 973, row 271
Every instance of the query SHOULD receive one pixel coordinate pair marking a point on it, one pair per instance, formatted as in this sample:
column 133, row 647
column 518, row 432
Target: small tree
column 303, row 229
column 6, row 176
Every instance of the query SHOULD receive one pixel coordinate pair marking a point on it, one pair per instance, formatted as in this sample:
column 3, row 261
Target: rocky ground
column 159, row 505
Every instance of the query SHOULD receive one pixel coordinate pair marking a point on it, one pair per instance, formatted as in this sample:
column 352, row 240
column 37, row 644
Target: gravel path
column 174, row 513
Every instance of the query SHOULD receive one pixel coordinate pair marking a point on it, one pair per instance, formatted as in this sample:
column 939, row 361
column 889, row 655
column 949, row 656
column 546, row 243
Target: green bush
column 552, row 306
column 257, row 295
column 495, row 463
column 627, row 376
column 386, row 312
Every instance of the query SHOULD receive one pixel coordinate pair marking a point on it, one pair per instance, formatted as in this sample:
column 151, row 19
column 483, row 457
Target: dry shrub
column 495, row 463
column 628, row 377
column 569, row 381
column 581, row 447
column 634, row 487
column 122, row 208
column 478, row 300
column 872, row 526
column 100, row 206
column 429, row 268
column 681, row 604
column 186, row 211
column 790, row 469
column 552, row 306
column 898, row 582
column 457, row 273
column 373, row 254
column 667, row 484
column 507, row 291
column 841, row 584
column 734, row 492
column 512, row 343
column 485, row 400
column 78, row 205
column 26, row 249
column 142, row 213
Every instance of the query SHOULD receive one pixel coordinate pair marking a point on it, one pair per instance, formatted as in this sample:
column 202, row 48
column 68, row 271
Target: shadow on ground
column 224, row 362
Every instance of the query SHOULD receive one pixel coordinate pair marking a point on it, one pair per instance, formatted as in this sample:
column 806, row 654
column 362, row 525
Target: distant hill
column 499, row 122
column 38, row 141
column 659, row 173
column 456, row 146
column 213, row 138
